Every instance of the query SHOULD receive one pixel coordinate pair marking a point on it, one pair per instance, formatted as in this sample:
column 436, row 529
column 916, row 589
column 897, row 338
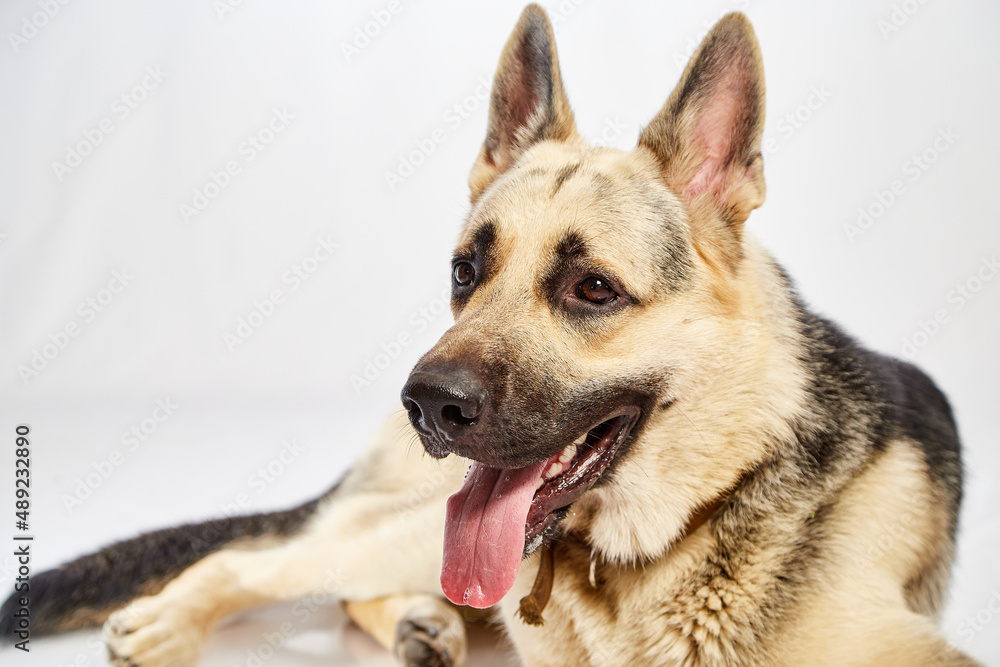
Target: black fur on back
column 858, row 402
column 922, row 412
column 72, row 595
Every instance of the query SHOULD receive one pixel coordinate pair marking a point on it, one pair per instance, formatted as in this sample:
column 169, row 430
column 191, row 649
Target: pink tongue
column 484, row 533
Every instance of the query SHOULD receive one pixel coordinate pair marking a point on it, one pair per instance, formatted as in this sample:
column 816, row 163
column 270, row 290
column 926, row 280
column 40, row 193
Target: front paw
column 151, row 633
column 434, row 640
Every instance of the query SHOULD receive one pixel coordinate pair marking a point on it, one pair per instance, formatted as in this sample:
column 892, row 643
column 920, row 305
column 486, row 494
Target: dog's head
column 590, row 287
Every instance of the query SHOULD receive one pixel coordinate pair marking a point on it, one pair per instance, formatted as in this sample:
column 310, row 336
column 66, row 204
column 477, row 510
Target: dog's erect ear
column 707, row 135
column 528, row 104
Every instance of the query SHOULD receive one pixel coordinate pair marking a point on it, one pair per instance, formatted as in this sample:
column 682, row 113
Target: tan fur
column 730, row 347
column 887, row 526
column 409, row 625
column 394, row 495
column 855, row 614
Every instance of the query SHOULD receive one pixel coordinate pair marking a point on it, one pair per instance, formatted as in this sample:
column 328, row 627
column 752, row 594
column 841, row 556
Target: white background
column 890, row 82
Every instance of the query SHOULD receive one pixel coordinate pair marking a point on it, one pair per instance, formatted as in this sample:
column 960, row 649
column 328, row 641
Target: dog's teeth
column 540, row 484
column 568, row 454
column 579, row 441
column 553, row 470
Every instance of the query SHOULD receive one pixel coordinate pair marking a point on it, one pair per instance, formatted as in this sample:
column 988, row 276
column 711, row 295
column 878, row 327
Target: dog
column 639, row 446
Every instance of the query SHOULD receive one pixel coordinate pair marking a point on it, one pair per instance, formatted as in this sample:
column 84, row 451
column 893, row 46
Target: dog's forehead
column 614, row 201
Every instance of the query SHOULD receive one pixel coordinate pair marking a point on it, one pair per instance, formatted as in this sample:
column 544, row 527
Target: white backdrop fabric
column 225, row 230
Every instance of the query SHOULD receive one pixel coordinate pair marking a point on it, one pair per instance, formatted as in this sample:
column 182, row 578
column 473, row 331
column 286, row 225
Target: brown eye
column 464, row 272
column 596, row 291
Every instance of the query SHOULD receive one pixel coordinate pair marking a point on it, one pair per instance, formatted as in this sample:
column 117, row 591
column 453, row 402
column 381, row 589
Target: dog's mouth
column 501, row 515
column 566, row 476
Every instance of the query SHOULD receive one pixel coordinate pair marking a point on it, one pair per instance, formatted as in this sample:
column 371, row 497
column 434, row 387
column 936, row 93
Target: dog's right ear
column 528, row 103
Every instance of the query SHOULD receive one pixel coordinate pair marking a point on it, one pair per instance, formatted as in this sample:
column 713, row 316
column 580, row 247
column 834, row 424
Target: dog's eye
column 595, row 290
column 464, row 273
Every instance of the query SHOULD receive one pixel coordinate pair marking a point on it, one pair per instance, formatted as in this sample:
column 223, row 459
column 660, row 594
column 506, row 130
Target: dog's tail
column 85, row 591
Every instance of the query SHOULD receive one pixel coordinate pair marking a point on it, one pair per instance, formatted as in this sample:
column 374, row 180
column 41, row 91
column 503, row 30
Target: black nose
column 443, row 405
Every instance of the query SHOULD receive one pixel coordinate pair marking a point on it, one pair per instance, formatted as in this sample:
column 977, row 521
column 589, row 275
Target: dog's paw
column 436, row 640
column 150, row 633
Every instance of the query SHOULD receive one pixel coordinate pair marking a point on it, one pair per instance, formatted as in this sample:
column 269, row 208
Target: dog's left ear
column 707, row 135
column 527, row 104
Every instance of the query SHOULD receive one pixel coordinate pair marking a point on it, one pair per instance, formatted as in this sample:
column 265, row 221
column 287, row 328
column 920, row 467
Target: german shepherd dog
column 667, row 458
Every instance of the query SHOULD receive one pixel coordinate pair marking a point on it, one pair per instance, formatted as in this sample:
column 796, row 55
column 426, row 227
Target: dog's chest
column 606, row 615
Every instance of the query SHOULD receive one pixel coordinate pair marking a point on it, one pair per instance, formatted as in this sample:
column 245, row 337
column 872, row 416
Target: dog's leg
column 380, row 535
column 421, row 630
column 340, row 557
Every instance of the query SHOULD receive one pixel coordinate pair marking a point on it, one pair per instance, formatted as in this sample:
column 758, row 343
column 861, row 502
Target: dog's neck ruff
column 533, row 604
